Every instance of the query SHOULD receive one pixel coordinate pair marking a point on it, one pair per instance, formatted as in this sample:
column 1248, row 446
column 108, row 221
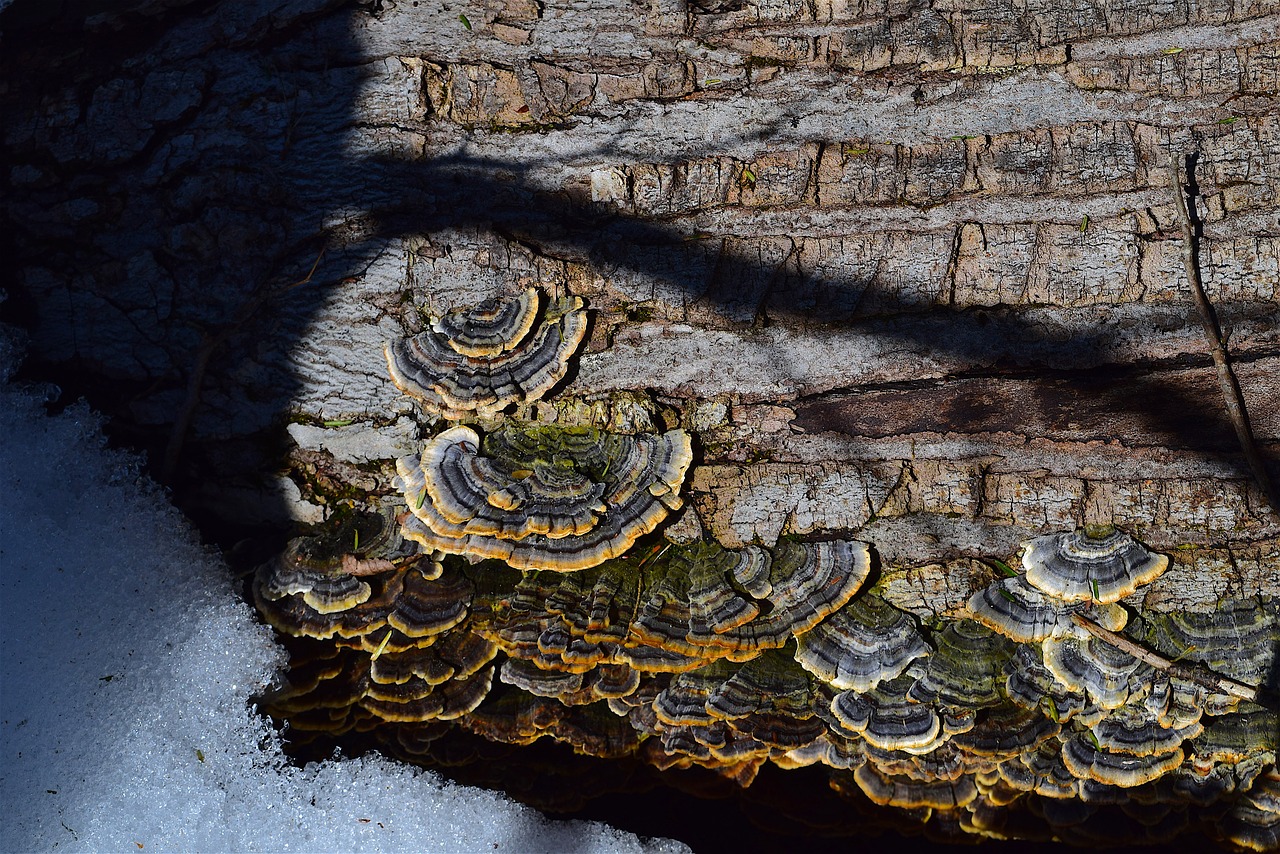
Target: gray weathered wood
column 907, row 270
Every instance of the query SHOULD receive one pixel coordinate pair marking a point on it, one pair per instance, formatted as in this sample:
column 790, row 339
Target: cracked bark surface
column 907, row 270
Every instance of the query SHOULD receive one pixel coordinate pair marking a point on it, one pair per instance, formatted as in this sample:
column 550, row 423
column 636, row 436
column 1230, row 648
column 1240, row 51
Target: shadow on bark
column 275, row 188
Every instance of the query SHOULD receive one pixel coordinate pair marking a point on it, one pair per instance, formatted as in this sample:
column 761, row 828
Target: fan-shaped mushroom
column 1007, row 731
column 481, row 360
column 1088, row 564
column 1254, row 821
column 445, row 702
column 966, row 670
column 1031, row 685
column 887, row 719
column 1238, row 639
column 1085, row 760
column 1236, row 737
column 863, row 644
column 1133, row 730
column 769, row 683
column 541, row 497
column 1042, row 771
column 1025, row 614
column 1109, row 676
column 905, row 792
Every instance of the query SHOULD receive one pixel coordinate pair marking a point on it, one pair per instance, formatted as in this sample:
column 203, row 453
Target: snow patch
column 127, row 664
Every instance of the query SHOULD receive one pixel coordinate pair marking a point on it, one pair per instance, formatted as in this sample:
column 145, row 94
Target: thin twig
column 208, row 345
column 1231, row 393
column 1200, row 676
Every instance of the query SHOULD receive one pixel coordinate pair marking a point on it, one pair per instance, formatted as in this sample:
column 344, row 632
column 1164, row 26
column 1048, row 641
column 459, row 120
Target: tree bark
column 910, row 271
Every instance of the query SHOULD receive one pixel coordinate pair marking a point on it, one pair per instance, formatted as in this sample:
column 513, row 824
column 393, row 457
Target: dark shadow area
column 166, row 304
column 793, row 810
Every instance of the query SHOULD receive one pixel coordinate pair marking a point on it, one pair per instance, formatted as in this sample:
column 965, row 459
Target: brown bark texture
column 907, row 270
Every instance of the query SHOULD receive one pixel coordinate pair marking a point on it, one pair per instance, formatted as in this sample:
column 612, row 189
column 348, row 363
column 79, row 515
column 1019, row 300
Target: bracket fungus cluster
column 386, row 651
column 1015, row 722
column 510, row 596
column 481, row 360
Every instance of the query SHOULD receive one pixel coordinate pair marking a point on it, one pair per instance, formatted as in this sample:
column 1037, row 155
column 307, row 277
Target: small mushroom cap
column 684, row 701
column 1191, row 785
column 1109, row 676
column 324, row 593
column 1040, row 770
column 808, row 582
column 1133, row 730
column 1087, row 761
column 863, row 644
column 466, row 652
column 293, row 613
column 946, row 762
column 478, row 373
column 1015, row 609
column 777, row 731
column 769, row 683
column 905, row 792
column 1238, row 639
column 967, row 669
column 688, row 604
column 1078, row 567
column 1031, row 685
column 1237, row 737
column 1253, row 822
column 886, row 719
column 592, row 730
column 1007, row 731
column 430, row 606
column 446, row 702
column 307, row 567
column 410, row 690
column 543, row 683
column 829, row 749
column 490, row 328
column 417, row 665
column 545, row 498
column 1174, row 701
column 513, row 716
column 751, row 571
column 715, row 606
column 648, row 659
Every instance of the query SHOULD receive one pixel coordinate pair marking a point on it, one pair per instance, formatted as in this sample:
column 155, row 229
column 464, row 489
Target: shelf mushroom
column 888, row 719
column 1109, row 676
column 866, row 642
column 539, row 497
column 1237, row 640
column 480, row 360
column 967, row 670
column 1090, row 564
column 907, row 793
column 1253, row 823
column 1020, row 612
column 648, row 613
column 1087, row 761
column 1010, row 724
column 1133, row 730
